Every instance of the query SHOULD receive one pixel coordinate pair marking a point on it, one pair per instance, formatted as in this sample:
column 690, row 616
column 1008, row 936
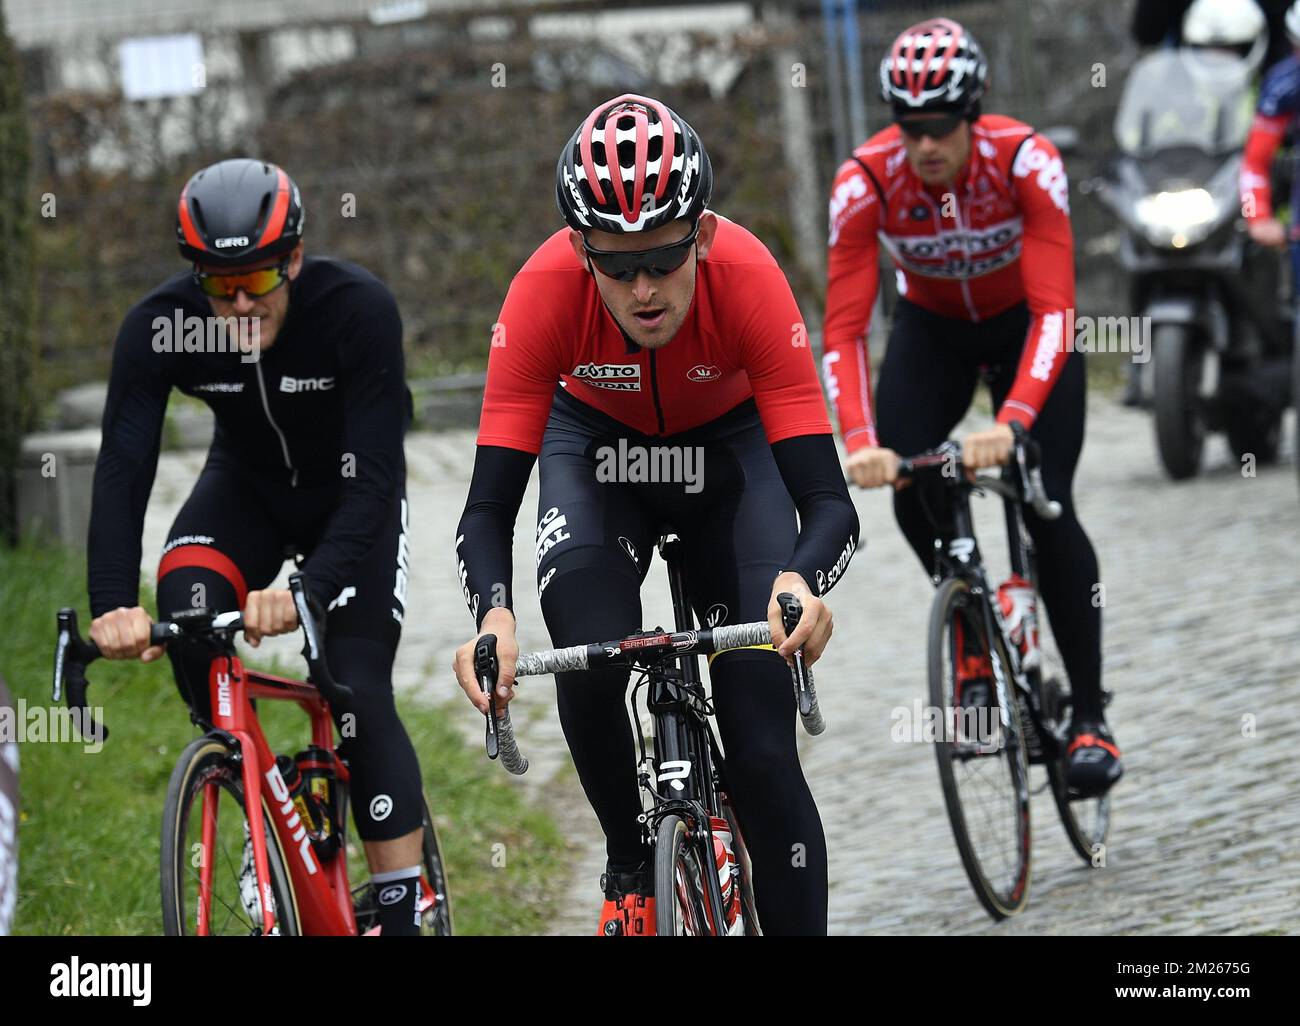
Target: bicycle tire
column 680, row 909
column 210, row 760
column 949, row 597
column 438, row 921
column 748, row 908
column 1087, row 841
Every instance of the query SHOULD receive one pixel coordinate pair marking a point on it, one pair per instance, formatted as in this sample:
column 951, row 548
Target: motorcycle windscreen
column 1185, row 98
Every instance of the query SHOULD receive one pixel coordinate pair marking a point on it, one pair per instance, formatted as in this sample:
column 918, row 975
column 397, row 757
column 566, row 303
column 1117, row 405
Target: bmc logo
column 223, row 695
column 1050, row 170
column 231, row 240
column 306, row 384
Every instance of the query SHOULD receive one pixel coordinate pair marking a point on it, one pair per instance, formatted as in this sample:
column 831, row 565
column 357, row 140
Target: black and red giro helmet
column 238, row 212
column 934, row 65
column 632, row 166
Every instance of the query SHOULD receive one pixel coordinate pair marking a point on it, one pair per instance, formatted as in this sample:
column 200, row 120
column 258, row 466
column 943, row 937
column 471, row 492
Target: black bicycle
column 993, row 734
column 686, row 782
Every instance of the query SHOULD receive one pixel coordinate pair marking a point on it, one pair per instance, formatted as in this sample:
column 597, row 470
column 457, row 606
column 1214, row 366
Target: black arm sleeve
column 376, row 410
column 487, row 528
column 828, row 521
column 138, row 387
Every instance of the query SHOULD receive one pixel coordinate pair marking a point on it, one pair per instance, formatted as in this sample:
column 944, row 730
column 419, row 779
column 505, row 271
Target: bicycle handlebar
column 73, row 653
column 624, row 652
column 946, row 459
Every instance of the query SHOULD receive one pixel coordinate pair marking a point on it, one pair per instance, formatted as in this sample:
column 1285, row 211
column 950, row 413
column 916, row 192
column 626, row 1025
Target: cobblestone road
column 1202, row 631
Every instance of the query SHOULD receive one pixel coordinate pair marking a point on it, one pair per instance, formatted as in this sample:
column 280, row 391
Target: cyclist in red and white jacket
column 974, row 211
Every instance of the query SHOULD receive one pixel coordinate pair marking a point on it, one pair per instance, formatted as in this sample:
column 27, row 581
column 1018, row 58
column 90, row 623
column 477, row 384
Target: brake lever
column 313, row 646
column 791, row 611
column 486, row 669
column 72, row 654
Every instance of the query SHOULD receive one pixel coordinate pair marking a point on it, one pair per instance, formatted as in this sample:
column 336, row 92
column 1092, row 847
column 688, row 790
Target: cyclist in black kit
column 311, row 408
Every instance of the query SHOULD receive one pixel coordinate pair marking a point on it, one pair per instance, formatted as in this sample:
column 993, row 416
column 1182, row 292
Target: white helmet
column 1293, row 23
column 1236, row 25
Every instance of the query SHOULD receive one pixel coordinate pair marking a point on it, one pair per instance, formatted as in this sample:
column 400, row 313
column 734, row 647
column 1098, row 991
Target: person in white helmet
column 1236, row 28
column 1161, row 22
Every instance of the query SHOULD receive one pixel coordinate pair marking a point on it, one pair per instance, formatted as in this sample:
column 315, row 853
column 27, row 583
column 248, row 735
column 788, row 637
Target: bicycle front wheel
column 680, row 908
column 983, row 767
column 209, row 885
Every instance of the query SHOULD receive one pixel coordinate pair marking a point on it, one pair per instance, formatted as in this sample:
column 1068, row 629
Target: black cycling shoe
column 629, row 909
column 1093, row 760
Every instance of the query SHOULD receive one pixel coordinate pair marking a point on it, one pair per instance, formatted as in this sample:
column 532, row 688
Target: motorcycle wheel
column 1180, row 419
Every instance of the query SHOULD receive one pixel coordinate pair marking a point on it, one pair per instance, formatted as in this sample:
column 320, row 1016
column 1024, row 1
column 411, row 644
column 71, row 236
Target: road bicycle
column 273, row 866
column 991, row 736
column 700, row 859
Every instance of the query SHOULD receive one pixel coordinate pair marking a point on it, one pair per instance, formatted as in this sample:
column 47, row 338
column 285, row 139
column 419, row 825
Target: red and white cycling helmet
column 934, row 65
column 632, row 166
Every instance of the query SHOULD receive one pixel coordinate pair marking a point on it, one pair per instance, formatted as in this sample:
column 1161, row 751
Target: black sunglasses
column 625, row 265
column 935, row 128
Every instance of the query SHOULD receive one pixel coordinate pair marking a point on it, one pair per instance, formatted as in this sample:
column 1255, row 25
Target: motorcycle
column 1215, row 305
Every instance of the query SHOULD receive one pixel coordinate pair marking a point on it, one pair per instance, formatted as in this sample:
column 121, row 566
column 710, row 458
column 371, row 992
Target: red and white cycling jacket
column 1001, row 237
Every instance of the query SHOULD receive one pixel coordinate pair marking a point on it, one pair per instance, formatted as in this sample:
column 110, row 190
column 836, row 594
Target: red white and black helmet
column 238, row 212
column 934, row 65
column 663, row 172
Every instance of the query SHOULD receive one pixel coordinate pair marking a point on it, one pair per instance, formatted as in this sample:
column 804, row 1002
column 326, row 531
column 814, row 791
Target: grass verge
column 90, row 821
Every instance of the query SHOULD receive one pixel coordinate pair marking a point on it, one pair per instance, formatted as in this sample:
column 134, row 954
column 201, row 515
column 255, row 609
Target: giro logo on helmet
column 232, row 240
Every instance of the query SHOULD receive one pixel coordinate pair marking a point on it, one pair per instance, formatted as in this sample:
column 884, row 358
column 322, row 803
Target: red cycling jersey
column 742, row 336
column 1000, row 238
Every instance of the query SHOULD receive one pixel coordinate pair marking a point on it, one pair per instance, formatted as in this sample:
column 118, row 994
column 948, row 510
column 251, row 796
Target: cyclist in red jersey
column 653, row 323
column 974, row 211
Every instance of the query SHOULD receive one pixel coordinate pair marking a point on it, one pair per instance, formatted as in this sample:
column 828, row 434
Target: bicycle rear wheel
column 985, row 777
column 1086, row 820
column 206, row 784
column 435, row 899
column 680, row 909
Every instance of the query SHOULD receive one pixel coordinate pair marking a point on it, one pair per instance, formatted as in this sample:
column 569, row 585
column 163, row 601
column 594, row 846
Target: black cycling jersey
column 327, row 402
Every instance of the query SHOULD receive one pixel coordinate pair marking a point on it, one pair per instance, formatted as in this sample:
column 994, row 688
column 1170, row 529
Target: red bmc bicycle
column 278, row 866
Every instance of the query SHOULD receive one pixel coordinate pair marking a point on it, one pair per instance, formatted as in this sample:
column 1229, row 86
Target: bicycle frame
column 685, row 751
column 320, row 888
column 959, row 556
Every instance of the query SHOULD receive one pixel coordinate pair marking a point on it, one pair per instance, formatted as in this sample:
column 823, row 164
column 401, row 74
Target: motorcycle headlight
column 1178, row 218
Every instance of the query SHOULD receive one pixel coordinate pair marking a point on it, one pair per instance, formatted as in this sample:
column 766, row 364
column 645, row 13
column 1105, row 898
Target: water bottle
column 728, row 875
column 312, row 812
column 1019, row 605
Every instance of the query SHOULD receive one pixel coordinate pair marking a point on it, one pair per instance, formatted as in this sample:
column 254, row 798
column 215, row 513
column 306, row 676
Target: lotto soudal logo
column 1033, row 159
column 703, row 372
column 826, row 579
column 550, row 532
column 621, row 377
column 306, row 384
column 231, row 241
